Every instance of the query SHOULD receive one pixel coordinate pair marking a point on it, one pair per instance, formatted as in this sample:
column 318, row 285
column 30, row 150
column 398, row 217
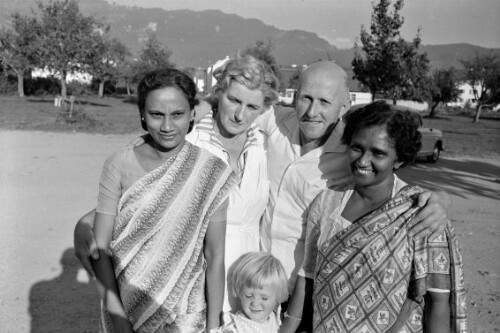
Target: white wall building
column 466, row 95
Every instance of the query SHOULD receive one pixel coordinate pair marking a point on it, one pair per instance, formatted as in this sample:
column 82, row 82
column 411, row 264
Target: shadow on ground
column 64, row 304
column 458, row 177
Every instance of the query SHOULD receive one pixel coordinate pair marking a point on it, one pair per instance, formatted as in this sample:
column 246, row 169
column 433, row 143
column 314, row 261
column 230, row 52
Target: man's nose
column 313, row 109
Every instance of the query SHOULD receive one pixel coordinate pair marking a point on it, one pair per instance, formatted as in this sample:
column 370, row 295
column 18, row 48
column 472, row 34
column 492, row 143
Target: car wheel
column 434, row 157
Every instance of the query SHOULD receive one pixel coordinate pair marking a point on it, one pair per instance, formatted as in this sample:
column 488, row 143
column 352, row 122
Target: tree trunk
column 20, row 83
column 101, row 89
column 478, row 113
column 63, row 88
column 433, row 108
column 128, row 88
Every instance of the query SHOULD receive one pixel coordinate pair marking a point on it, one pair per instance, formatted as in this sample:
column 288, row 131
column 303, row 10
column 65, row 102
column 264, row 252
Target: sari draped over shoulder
column 365, row 273
column 158, row 236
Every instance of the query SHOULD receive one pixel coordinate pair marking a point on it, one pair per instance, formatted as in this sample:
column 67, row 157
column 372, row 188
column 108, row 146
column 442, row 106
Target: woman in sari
column 366, row 273
column 160, row 220
column 245, row 88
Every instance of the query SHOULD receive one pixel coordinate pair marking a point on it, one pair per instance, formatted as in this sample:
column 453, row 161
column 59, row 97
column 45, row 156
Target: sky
column 339, row 21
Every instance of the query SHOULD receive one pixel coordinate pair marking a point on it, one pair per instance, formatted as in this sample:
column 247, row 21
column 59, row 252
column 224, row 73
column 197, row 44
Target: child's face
column 258, row 303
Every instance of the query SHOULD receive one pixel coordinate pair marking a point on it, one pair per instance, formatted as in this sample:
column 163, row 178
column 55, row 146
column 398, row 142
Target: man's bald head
column 322, row 97
column 327, row 70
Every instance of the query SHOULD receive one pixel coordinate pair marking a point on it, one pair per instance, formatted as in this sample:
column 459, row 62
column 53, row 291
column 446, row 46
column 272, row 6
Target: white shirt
column 248, row 201
column 295, row 181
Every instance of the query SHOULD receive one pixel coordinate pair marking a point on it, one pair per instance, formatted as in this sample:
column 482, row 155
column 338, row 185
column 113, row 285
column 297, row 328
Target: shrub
column 77, row 119
column 8, row 84
column 41, row 86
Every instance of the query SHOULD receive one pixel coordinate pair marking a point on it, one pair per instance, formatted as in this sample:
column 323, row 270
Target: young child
column 259, row 282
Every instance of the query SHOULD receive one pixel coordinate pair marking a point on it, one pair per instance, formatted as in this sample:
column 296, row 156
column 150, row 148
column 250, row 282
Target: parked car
column 432, row 138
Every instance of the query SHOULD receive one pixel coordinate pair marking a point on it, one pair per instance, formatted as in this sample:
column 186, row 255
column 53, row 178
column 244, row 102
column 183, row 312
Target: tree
column 68, row 39
column 18, row 47
column 390, row 65
column 153, row 56
column 108, row 61
column 443, row 87
column 264, row 52
column 482, row 72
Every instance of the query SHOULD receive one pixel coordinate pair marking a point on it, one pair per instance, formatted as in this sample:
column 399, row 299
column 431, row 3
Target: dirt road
column 47, row 180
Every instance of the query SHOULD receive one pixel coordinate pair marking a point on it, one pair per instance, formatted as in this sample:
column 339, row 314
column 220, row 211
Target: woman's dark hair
column 401, row 128
column 165, row 78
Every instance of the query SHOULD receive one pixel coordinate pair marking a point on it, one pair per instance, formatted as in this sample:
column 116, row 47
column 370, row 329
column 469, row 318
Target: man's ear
column 345, row 107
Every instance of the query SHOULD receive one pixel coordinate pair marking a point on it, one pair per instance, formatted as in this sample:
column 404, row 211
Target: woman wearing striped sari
column 160, row 220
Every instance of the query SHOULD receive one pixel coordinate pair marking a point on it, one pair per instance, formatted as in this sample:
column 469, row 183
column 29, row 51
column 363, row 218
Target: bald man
column 306, row 156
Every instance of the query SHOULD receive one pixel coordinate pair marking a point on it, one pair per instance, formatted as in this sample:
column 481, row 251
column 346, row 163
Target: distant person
column 369, row 274
column 260, row 284
column 160, row 220
column 245, row 89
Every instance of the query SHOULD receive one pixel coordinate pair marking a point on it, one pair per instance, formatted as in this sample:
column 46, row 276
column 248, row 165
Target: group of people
column 257, row 218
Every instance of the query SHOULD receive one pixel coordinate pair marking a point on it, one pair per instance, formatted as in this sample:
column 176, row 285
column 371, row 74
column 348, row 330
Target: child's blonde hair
column 257, row 270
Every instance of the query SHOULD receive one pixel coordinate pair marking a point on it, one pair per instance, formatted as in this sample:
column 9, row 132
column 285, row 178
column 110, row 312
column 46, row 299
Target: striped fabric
column 157, row 245
column 254, row 138
column 365, row 273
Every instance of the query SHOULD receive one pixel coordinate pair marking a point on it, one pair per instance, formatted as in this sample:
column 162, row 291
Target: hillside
column 201, row 38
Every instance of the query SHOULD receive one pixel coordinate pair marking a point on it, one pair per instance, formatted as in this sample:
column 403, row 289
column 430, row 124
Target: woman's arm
column 433, row 217
column 301, row 297
column 215, row 239
column 84, row 241
column 103, row 267
column 437, row 312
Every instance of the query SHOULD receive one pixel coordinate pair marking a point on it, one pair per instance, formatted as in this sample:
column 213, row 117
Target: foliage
column 264, row 52
column 68, row 39
column 153, row 56
column 390, row 65
column 482, row 72
column 443, row 87
column 19, row 46
column 293, row 83
column 107, row 62
column 41, row 86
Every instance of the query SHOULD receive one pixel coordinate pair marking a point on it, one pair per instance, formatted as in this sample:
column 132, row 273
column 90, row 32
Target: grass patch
column 118, row 115
column 108, row 115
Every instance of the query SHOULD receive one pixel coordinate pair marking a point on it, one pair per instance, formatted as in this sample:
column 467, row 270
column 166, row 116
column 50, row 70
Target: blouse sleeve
column 432, row 265
column 313, row 232
column 110, row 188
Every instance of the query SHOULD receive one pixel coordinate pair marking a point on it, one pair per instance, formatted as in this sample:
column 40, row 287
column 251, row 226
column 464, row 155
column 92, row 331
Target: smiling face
column 238, row 108
column 321, row 98
column 258, row 303
column 167, row 116
column 372, row 157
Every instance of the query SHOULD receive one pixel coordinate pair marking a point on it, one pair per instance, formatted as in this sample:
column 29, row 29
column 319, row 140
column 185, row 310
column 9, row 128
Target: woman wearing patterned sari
column 160, row 220
column 366, row 273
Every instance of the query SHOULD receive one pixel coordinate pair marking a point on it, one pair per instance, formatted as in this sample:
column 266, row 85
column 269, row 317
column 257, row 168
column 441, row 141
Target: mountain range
column 198, row 39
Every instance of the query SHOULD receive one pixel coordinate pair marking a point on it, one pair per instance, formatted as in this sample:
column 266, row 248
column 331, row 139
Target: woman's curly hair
column 250, row 72
column 402, row 128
